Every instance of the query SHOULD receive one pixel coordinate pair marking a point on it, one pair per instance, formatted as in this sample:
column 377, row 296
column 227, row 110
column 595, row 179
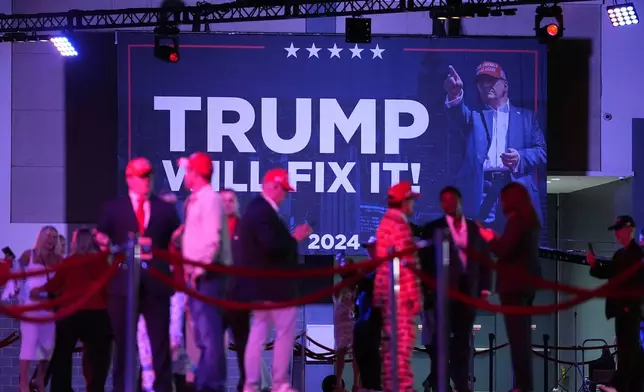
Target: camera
column 608, row 116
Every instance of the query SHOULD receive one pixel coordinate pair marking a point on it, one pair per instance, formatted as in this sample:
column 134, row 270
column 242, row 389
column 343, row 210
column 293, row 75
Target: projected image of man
column 504, row 143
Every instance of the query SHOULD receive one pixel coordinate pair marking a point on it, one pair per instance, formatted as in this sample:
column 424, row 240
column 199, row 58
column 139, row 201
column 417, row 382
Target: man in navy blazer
column 467, row 276
column 151, row 217
column 263, row 241
column 504, row 143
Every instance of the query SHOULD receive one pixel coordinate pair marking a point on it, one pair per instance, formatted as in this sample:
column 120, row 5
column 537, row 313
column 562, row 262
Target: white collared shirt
column 205, row 235
column 498, row 137
column 459, row 236
column 135, row 200
column 498, row 134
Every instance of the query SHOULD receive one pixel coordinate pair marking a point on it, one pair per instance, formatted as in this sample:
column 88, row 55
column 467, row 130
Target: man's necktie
column 140, row 215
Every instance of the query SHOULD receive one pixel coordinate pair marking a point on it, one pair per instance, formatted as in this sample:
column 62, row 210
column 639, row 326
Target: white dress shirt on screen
column 498, row 134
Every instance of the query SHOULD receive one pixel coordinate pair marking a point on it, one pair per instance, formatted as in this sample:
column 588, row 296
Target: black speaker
column 357, row 30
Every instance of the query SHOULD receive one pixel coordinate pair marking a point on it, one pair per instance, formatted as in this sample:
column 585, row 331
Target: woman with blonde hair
column 36, row 339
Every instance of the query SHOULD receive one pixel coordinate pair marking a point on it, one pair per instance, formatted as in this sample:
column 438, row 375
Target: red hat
column 199, row 162
column 401, row 192
column 490, row 68
column 279, row 176
column 138, row 167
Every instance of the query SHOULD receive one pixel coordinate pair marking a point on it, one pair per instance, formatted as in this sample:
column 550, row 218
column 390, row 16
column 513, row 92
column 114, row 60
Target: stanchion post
column 491, row 340
column 441, row 246
column 303, row 355
column 394, row 291
column 132, row 265
column 546, row 339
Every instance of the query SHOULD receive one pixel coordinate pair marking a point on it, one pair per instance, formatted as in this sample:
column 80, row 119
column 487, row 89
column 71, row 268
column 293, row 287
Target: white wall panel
column 38, row 81
column 622, row 91
column 38, row 138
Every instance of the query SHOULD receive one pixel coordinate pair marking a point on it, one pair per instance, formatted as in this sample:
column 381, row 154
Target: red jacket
column 76, row 281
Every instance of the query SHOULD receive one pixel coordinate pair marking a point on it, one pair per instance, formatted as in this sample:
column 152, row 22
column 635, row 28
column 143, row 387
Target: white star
column 355, row 52
column 292, row 51
column 335, row 51
column 377, row 52
column 313, row 51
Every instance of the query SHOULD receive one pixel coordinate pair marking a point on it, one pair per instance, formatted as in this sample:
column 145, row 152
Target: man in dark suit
column 470, row 278
column 263, row 241
column 626, row 311
column 143, row 213
column 504, row 143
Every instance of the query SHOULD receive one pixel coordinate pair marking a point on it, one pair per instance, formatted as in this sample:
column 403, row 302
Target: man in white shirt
column 504, row 142
column 205, row 239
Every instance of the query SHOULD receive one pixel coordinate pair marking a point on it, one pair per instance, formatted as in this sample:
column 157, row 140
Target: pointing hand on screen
column 453, row 84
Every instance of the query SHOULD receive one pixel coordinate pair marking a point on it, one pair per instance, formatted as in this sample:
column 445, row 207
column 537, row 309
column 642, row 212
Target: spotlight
column 64, row 46
column 550, row 31
column 622, row 15
column 166, row 44
column 357, row 30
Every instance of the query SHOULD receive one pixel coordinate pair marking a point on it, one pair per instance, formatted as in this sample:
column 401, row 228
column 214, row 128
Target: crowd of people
column 214, row 232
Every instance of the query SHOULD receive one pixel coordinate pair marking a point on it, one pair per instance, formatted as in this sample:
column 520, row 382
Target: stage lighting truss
column 224, row 13
column 622, row 14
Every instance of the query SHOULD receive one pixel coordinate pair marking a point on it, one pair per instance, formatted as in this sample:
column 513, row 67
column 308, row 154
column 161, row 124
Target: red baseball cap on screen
column 279, row 176
column 138, row 167
column 490, row 68
column 401, row 192
column 199, row 162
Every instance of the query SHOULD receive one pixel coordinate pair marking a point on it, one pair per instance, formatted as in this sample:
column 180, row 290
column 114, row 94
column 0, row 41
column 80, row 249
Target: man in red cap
column 505, row 143
column 263, row 241
column 205, row 240
column 154, row 220
column 394, row 233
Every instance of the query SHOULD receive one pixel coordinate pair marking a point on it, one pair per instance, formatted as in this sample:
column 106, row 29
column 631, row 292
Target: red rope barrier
column 73, row 307
column 235, row 305
column 533, row 310
column 69, row 262
column 176, row 259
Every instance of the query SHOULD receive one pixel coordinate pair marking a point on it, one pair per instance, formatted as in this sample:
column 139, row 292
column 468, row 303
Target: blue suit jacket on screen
column 524, row 135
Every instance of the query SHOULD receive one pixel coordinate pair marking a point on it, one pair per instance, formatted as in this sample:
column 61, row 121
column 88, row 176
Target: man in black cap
column 626, row 311
column 366, row 332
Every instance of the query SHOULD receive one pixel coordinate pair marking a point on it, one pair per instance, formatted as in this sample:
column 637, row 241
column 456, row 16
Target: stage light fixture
column 64, row 46
column 622, row 14
column 357, row 30
column 551, row 30
column 166, row 44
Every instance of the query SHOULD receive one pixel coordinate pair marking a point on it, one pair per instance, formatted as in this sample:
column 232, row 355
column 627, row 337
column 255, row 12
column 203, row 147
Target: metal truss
column 76, row 20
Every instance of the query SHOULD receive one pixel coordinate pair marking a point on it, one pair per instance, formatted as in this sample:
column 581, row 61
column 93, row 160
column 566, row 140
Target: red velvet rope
column 176, row 259
column 17, row 311
column 69, row 262
column 539, row 309
column 235, row 305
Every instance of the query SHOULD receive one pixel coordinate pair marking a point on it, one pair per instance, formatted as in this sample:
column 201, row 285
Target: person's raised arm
column 598, row 268
column 459, row 114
